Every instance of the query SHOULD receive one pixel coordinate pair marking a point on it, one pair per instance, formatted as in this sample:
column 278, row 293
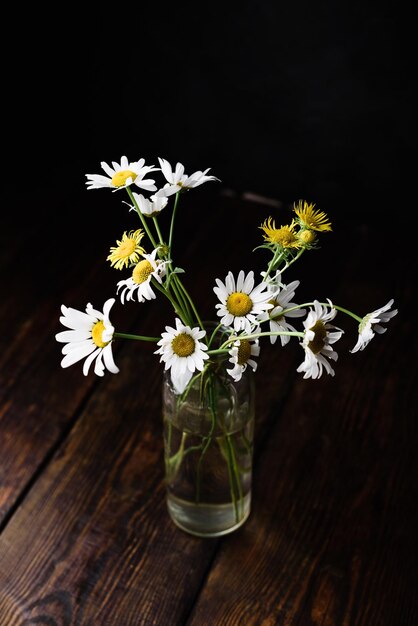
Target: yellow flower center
column 244, row 352
column 183, row 345
column 318, row 342
column 284, row 236
column 307, row 236
column 142, row 271
column 97, row 334
column 126, row 248
column 120, row 178
column 239, row 304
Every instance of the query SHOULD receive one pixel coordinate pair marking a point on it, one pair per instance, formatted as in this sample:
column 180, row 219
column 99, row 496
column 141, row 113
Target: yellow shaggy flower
column 285, row 236
column 307, row 236
column 127, row 250
column 310, row 218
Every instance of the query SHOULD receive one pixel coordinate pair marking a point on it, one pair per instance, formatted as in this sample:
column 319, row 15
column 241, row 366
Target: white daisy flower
column 151, row 206
column 90, row 336
column 241, row 353
column 178, row 180
column 123, row 175
column 140, row 281
column 369, row 325
column 317, row 341
column 241, row 302
column 182, row 351
column 280, row 297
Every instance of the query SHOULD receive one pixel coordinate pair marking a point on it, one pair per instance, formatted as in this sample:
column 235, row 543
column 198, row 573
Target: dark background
column 287, row 100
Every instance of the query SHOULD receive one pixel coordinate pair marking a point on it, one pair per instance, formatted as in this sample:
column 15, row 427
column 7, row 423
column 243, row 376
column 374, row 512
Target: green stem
column 236, row 474
column 173, row 463
column 137, row 337
column 346, row 311
column 173, row 215
column 183, row 288
column 176, row 305
column 141, row 217
column 276, row 258
column 207, row 440
column 288, row 264
column 157, row 228
column 181, row 299
column 217, row 351
column 212, row 337
column 255, row 336
column 183, row 397
column 231, row 479
column 330, row 306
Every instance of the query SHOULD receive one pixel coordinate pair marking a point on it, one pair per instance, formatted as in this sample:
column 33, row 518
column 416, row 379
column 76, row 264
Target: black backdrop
column 288, row 100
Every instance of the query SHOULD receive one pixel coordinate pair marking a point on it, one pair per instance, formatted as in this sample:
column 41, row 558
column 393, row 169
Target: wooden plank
column 99, row 531
column 108, row 441
column 100, row 510
column 333, row 540
column 39, row 401
column 91, row 542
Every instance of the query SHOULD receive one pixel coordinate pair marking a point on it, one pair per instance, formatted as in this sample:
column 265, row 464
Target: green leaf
column 176, row 270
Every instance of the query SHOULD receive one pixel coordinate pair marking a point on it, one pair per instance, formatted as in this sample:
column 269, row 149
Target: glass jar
column 208, row 450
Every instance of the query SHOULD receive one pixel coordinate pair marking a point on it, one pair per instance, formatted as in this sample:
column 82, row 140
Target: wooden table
column 85, row 536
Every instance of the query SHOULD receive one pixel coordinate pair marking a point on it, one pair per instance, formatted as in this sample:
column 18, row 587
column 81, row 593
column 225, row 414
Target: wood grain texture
column 40, row 401
column 331, row 539
column 115, row 510
column 101, row 515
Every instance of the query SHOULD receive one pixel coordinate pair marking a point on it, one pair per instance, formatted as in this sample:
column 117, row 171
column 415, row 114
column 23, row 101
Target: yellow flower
column 127, row 250
column 285, row 236
column 307, row 237
column 311, row 218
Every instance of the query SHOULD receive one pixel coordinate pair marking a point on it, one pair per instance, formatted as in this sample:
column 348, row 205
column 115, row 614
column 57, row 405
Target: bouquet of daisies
column 248, row 309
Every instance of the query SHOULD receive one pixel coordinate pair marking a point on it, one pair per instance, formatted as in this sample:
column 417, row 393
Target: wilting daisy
column 140, row 281
column 151, row 206
column 285, row 236
column 90, row 336
column 370, row 324
column 181, row 350
column 241, row 302
column 177, row 180
column 123, row 175
column 318, row 337
column 280, row 298
column 241, row 353
column 127, row 250
column 310, row 218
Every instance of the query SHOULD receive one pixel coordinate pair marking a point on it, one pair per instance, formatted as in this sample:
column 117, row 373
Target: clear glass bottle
column 208, row 451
